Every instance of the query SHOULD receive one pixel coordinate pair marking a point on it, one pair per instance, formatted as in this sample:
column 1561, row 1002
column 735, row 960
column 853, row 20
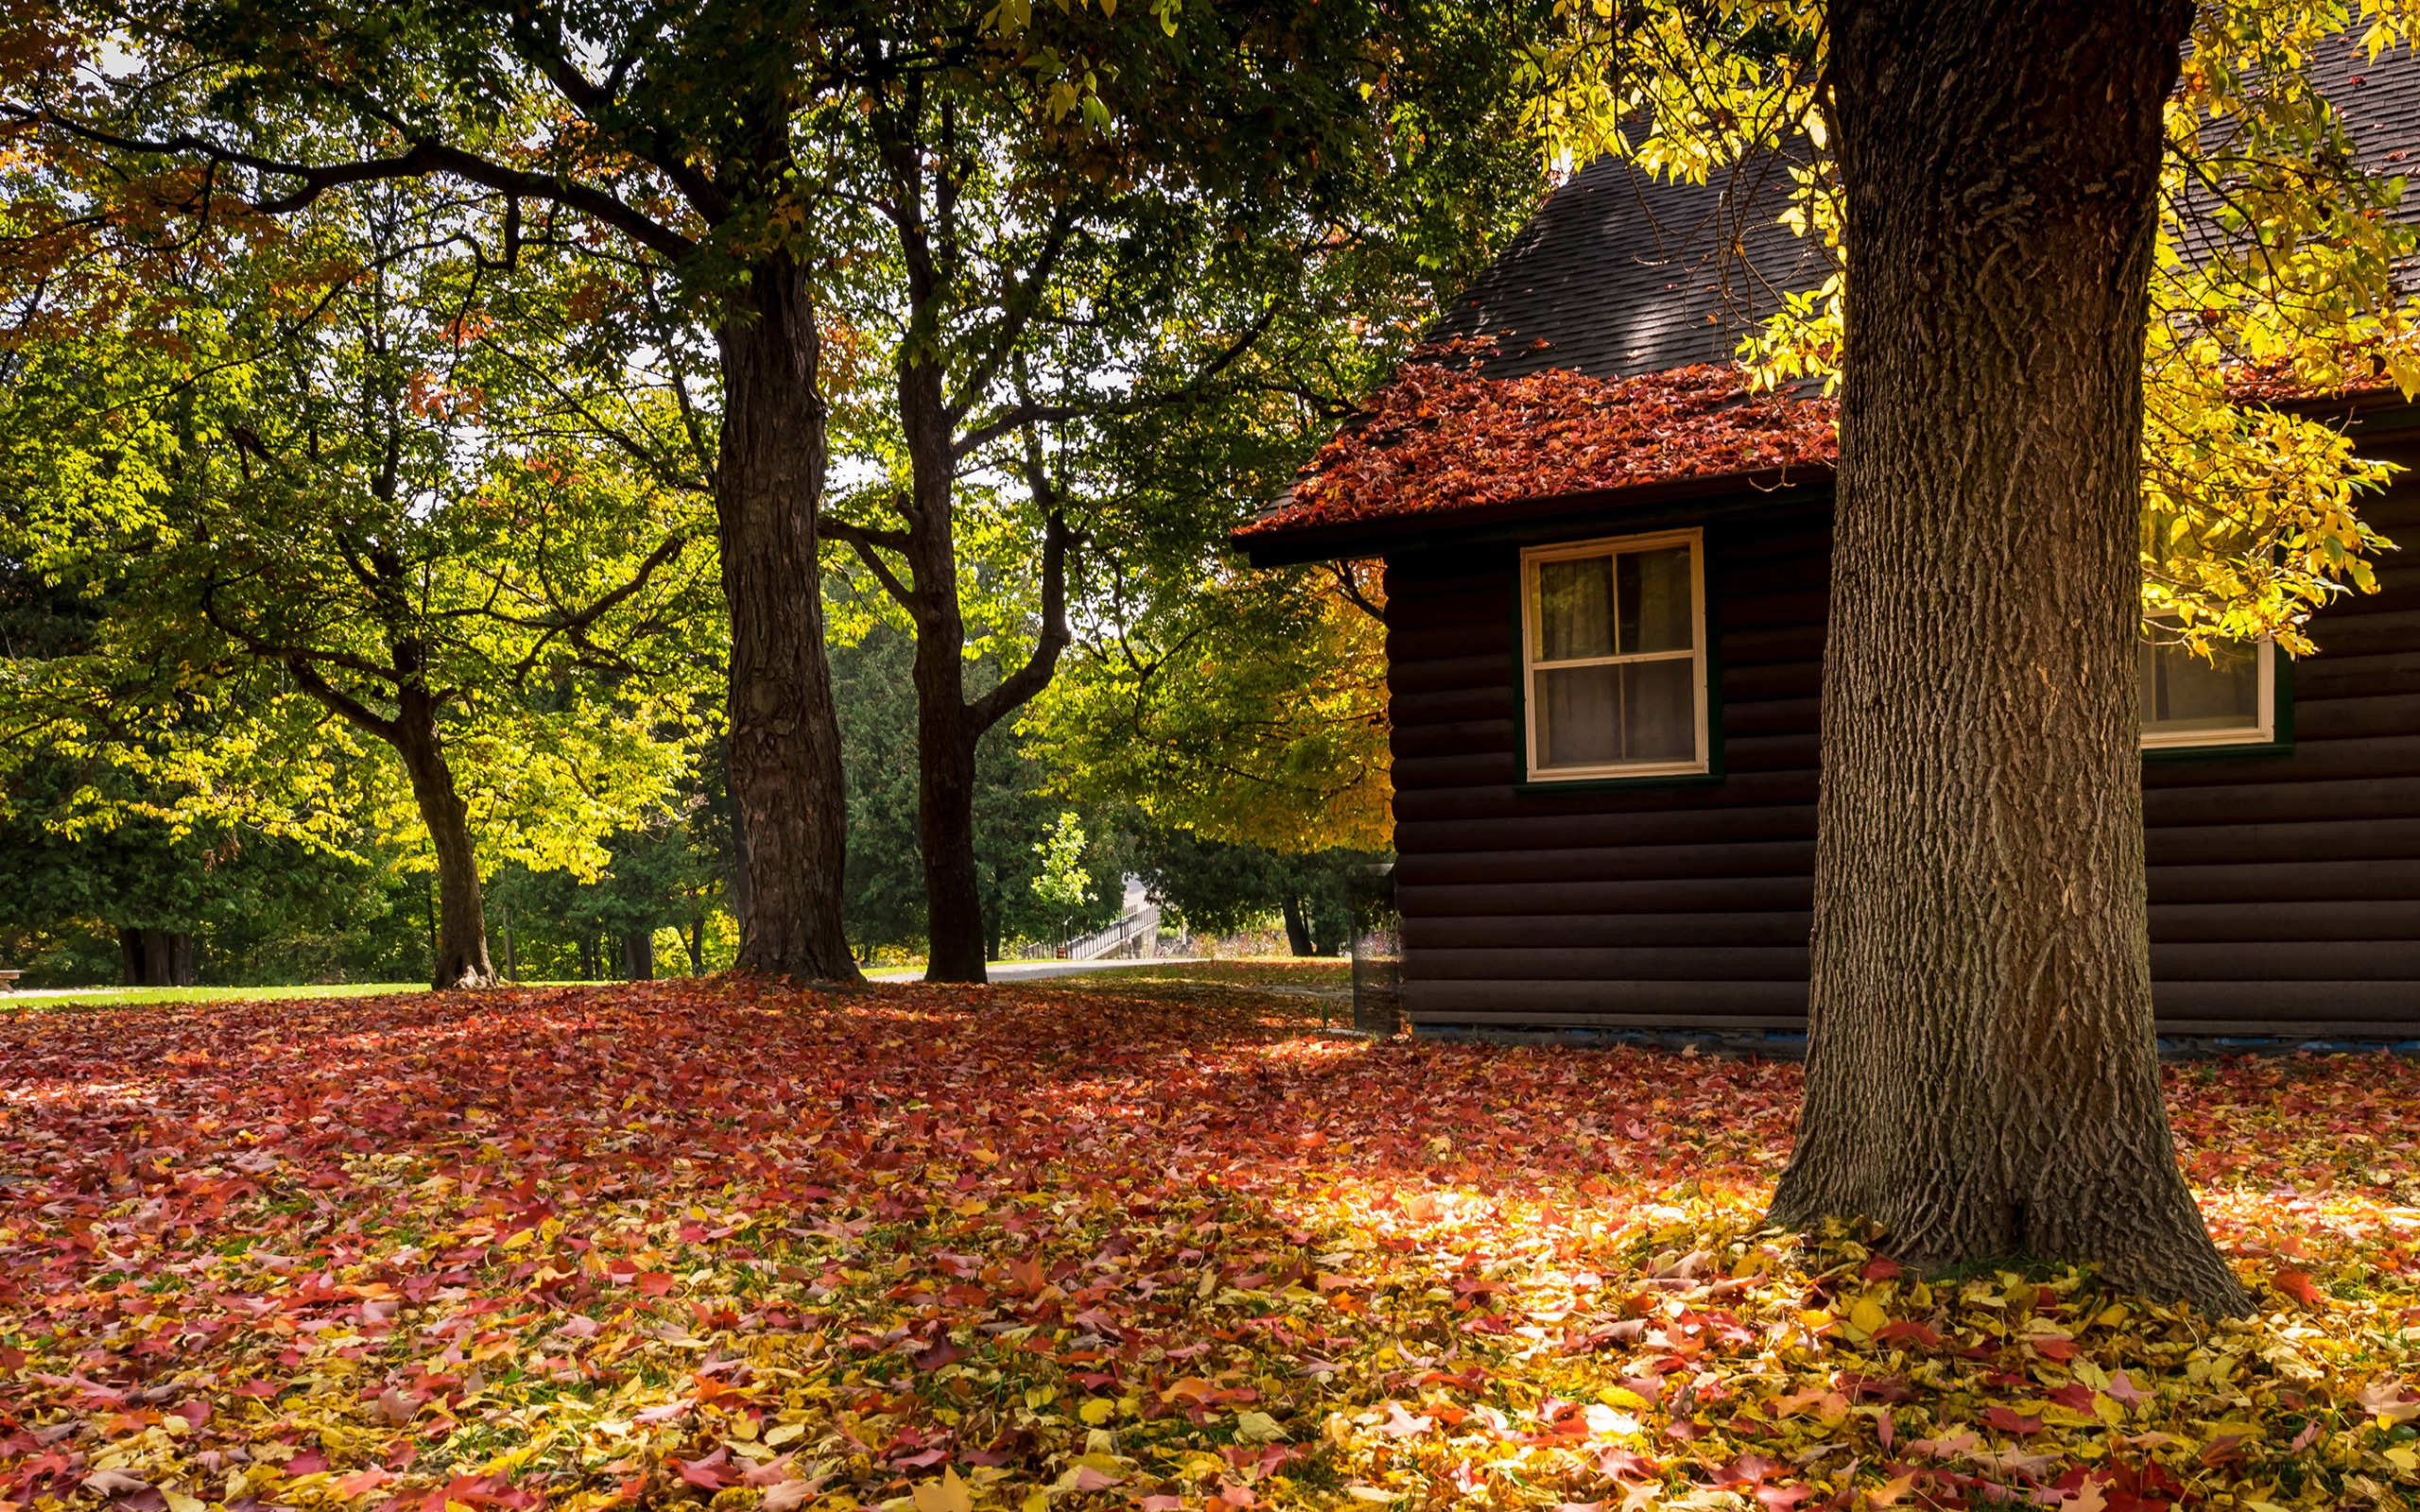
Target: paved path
column 1033, row 970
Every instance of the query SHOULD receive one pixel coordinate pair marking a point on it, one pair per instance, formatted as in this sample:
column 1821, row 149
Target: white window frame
column 2264, row 733
column 1532, row 666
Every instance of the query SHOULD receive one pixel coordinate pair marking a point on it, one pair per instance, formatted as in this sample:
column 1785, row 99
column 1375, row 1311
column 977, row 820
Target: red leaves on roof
column 1439, row 439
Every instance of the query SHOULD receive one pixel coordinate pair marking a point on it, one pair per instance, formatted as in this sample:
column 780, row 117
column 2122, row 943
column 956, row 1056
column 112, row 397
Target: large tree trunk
column 156, row 957
column 785, row 740
column 461, row 915
column 1982, row 1077
column 639, row 955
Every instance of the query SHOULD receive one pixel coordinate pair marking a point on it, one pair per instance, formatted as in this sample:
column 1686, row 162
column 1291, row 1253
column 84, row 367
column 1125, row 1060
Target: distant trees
column 287, row 474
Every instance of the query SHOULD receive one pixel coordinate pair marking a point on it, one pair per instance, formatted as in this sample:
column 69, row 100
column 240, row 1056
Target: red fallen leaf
column 1881, row 1268
column 713, row 1472
column 2075, row 1394
column 941, row 1353
column 309, row 1462
column 1922, row 1333
column 654, row 1282
column 1089, row 1479
column 262, row 1389
column 2124, row 1389
column 1782, row 1498
column 2053, row 1348
column 2298, row 1285
column 921, row 1461
column 2009, row 1420
column 361, row 1483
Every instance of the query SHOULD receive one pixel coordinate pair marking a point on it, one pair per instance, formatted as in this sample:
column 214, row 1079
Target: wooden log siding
column 2285, row 889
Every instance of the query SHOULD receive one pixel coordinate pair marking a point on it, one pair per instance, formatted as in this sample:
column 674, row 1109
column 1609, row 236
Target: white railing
column 1130, row 935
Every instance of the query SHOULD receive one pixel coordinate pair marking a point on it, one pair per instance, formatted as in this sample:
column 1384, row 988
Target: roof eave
column 1347, row 540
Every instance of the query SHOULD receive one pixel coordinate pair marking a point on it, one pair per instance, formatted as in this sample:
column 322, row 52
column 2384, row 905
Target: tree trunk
column 1982, row 1078
column 1297, row 927
column 783, row 760
column 638, row 957
column 695, row 941
column 944, row 732
column 156, row 957
column 461, row 915
column 588, row 965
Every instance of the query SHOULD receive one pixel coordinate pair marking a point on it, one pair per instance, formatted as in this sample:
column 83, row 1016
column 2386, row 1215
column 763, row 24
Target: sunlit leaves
column 2276, row 279
column 673, row 1245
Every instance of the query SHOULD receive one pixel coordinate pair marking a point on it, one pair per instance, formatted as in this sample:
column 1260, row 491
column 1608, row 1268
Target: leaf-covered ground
column 1027, row 1248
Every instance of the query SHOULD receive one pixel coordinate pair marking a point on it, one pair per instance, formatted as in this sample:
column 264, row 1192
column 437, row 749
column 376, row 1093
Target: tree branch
column 1057, row 542
column 1349, row 584
column 425, row 159
column 1026, row 412
column 865, row 540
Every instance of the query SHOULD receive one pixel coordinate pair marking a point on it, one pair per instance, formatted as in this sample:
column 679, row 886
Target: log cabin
column 1606, row 572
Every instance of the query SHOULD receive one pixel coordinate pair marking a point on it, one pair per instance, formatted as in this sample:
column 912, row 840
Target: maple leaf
column 2298, row 1285
column 2384, row 1400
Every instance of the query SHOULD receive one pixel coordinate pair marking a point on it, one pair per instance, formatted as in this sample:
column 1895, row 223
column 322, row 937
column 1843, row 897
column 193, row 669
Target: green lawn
column 110, row 997
column 1258, row 972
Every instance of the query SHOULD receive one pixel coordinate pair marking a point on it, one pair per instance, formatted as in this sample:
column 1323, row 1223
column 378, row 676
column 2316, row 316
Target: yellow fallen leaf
column 1371, row 1493
column 1257, row 1428
column 1096, row 1410
column 1867, row 1317
column 179, row 1501
column 1037, row 1501
column 778, row 1437
column 948, row 1494
column 2404, row 1459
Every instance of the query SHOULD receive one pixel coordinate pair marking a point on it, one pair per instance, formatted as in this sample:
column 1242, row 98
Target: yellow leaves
column 1258, row 1428
column 1867, row 1317
column 948, row 1494
column 1096, row 1411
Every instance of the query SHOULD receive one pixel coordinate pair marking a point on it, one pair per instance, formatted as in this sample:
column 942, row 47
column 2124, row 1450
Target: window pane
column 1579, row 718
column 1606, row 716
column 1575, row 609
column 1652, row 590
column 1660, row 711
column 2181, row 692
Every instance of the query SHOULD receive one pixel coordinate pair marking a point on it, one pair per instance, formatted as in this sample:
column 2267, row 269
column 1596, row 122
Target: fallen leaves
column 944, row 1250
column 1440, row 437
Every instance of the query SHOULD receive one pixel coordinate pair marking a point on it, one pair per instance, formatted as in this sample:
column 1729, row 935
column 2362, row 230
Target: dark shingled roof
column 1621, row 274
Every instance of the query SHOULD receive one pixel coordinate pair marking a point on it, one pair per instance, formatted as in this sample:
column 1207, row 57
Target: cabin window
column 2229, row 699
column 1614, row 642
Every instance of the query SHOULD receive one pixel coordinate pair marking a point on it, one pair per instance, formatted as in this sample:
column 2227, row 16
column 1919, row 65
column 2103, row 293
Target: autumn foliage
column 1442, row 437
column 925, row 1248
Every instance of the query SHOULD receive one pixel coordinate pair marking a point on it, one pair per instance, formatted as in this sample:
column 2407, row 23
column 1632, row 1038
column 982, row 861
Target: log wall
column 2285, row 889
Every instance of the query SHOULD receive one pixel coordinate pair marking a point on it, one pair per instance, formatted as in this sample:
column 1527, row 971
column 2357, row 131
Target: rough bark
column 638, row 957
column 156, row 957
column 784, row 742
column 1982, row 1075
column 461, row 914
